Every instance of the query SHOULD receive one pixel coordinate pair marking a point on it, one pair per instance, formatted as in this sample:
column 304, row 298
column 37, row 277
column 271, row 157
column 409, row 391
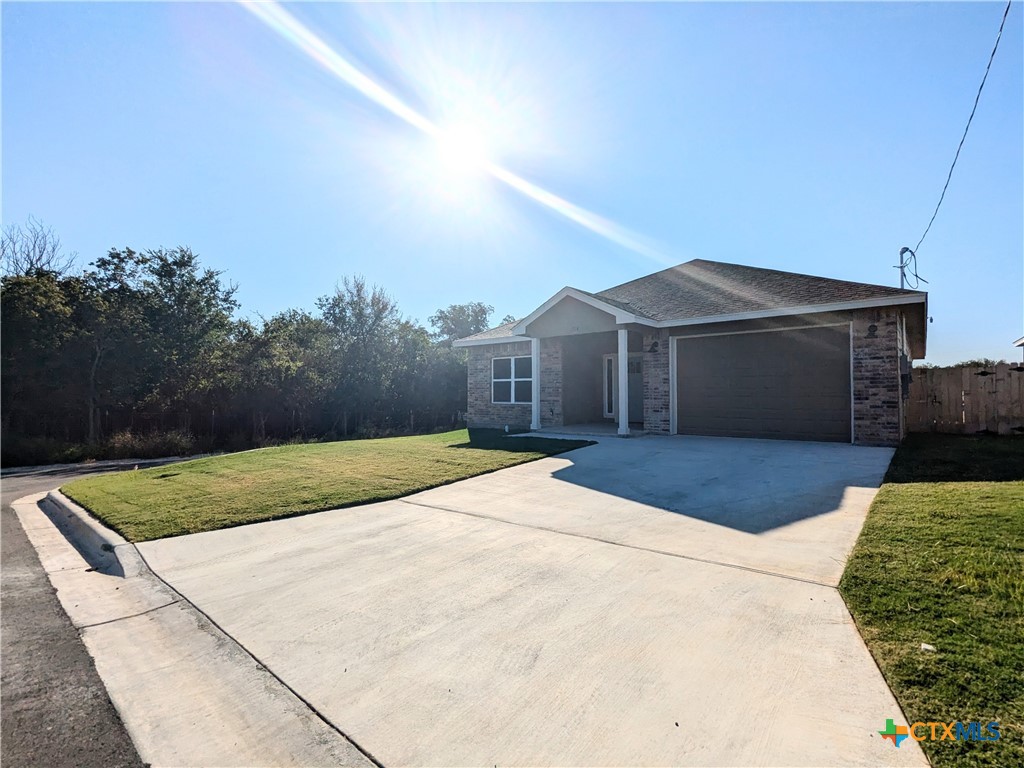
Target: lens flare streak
column 292, row 30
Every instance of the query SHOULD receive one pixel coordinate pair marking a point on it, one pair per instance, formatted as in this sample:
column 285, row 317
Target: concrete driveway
column 652, row 601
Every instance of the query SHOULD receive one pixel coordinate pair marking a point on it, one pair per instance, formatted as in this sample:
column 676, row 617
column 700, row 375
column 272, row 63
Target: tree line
column 141, row 353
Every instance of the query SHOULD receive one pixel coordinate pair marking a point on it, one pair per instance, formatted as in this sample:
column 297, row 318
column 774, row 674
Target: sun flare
column 463, row 148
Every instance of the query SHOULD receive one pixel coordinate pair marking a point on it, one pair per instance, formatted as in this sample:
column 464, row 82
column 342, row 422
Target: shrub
column 16, row 451
column 20, row 451
column 153, row 445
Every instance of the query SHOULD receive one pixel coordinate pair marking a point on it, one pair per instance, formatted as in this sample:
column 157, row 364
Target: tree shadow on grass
column 933, row 458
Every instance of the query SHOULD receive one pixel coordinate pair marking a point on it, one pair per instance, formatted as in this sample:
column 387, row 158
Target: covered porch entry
column 600, row 384
column 602, row 365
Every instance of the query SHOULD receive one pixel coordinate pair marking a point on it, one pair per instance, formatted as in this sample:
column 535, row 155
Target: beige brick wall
column 879, row 416
column 480, row 411
column 656, row 383
column 551, row 382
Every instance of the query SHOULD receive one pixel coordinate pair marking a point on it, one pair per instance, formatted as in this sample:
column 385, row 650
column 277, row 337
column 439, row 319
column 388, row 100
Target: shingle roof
column 499, row 332
column 616, row 303
column 701, row 288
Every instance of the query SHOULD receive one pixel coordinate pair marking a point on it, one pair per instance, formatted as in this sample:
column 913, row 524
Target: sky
column 807, row 137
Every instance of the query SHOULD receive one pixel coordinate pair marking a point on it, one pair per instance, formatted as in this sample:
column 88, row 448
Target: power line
column 962, row 138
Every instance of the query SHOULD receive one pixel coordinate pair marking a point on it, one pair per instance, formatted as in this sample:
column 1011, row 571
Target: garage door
column 790, row 385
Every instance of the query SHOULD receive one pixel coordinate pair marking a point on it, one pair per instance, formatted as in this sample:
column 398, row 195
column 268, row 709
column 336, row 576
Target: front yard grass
column 941, row 561
column 248, row 487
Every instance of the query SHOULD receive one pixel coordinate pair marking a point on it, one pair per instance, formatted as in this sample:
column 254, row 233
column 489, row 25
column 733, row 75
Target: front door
column 636, row 387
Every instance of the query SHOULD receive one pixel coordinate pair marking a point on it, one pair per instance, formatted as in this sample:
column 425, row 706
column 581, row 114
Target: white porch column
column 535, row 400
column 623, row 381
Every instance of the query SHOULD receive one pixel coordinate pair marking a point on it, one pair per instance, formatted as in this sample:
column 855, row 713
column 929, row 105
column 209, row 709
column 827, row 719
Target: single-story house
column 707, row 348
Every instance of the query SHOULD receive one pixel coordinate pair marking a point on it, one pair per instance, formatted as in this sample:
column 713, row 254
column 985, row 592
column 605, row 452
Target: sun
column 463, row 149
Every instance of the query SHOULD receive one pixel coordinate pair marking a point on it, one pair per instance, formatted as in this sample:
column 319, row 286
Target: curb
column 187, row 692
column 105, row 550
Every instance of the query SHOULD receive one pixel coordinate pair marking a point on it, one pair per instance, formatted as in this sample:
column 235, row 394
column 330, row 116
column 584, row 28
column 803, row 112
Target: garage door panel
column 780, row 384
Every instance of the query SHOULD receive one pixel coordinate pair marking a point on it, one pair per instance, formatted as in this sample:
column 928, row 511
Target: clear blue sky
column 805, row 137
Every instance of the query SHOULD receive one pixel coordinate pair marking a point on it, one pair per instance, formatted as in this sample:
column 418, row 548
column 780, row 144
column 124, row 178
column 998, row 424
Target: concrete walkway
column 652, row 601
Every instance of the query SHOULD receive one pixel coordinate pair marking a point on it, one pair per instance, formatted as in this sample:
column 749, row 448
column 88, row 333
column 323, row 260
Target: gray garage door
column 791, row 385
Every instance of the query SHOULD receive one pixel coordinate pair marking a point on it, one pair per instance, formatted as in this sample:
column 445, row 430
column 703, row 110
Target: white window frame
column 513, row 380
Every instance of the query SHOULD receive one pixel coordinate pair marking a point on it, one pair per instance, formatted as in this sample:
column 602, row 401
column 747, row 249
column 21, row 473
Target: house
column 707, row 348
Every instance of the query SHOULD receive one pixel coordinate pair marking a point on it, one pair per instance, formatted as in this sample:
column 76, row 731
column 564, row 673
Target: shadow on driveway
column 748, row 485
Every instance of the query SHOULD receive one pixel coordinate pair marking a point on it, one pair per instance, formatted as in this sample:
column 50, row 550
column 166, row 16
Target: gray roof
column 500, row 332
column 709, row 289
column 701, row 288
column 614, row 302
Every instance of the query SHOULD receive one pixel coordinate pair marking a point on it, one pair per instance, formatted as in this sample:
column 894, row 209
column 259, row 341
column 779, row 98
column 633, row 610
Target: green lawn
column 941, row 561
column 247, row 487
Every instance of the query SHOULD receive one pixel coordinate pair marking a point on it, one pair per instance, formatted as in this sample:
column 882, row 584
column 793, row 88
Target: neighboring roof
column 1019, row 342
column 701, row 288
column 709, row 291
column 502, row 332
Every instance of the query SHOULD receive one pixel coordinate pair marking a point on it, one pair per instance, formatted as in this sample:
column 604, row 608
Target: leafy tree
column 112, row 330
column 192, row 310
column 980, row 362
column 363, row 323
column 147, row 341
column 35, row 325
column 278, row 373
column 459, row 321
column 305, row 340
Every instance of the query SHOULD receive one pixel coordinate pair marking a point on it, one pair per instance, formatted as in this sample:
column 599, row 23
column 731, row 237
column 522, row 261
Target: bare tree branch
column 32, row 248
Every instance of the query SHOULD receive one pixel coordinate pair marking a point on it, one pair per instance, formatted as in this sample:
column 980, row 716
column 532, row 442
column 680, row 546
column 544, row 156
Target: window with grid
column 512, row 380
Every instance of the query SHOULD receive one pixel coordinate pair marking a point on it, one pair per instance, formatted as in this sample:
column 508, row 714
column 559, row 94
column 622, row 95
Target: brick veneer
column 656, row 383
column 551, row 382
column 879, row 412
column 878, row 409
column 481, row 412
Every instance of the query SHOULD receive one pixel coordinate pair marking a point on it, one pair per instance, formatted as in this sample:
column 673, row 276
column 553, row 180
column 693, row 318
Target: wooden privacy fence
column 968, row 400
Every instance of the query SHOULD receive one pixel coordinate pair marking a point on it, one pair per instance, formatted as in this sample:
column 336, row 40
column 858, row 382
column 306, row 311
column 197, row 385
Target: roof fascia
column 492, row 340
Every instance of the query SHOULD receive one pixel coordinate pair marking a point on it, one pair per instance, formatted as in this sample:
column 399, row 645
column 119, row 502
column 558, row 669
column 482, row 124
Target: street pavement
column 54, row 709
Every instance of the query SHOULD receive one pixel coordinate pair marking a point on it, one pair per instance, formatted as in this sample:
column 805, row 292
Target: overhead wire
column 911, row 261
